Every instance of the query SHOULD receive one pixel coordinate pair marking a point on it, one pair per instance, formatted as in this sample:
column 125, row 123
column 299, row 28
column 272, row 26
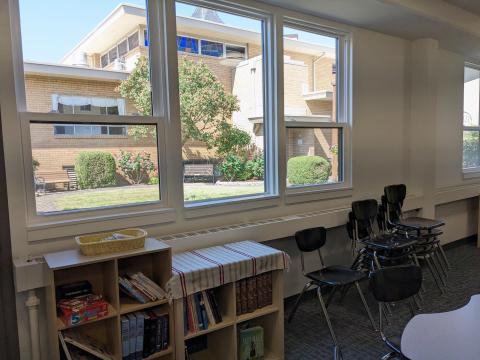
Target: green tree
column 205, row 106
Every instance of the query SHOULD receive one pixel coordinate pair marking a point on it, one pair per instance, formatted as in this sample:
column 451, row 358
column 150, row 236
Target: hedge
column 95, row 169
column 304, row 170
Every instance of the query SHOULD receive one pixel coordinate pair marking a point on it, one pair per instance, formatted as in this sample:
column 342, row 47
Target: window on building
column 235, row 52
column 223, row 158
column 112, row 54
column 122, row 48
column 65, row 104
column 89, row 130
column 211, row 48
column 187, row 44
column 104, row 60
column 316, row 125
column 133, row 41
column 471, row 124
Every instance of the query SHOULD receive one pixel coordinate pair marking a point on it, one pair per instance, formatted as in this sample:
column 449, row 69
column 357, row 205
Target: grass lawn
column 131, row 194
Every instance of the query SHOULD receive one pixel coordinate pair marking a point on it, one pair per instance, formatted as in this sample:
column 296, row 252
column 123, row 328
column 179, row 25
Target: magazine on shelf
column 87, row 344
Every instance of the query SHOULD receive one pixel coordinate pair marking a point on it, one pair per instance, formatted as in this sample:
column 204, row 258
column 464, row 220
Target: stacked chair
column 426, row 231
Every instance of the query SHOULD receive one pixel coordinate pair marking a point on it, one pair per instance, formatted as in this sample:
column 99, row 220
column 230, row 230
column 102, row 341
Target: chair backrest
column 364, row 213
column 395, row 194
column 311, row 239
column 395, row 283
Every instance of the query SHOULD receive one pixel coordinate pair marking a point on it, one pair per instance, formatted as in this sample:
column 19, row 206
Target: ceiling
column 456, row 23
column 472, row 6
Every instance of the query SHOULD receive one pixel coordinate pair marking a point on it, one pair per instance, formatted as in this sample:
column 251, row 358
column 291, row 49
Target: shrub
column 153, row 180
column 136, row 167
column 302, row 170
column 233, row 167
column 255, row 167
column 35, row 164
column 95, row 169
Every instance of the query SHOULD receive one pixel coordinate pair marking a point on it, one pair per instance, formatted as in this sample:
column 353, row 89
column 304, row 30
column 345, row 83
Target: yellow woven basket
column 97, row 244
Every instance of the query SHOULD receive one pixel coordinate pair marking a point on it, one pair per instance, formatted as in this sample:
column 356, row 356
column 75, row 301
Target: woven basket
column 95, row 244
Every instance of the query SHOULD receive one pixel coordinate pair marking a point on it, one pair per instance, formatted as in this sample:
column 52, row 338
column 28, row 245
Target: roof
column 123, row 20
column 69, row 71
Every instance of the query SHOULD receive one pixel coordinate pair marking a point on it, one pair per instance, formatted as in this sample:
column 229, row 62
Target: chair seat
column 393, row 342
column 336, row 275
column 389, row 242
column 419, row 223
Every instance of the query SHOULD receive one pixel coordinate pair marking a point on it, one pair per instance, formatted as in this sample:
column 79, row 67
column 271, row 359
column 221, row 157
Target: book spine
column 208, row 308
column 191, row 317
column 251, row 294
column 143, row 290
column 260, row 291
column 243, row 293
column 166, row 331
column 125, row 327
column 268, row 287
column 216, row 308
column 140, row 332
column 185, row 316
column 238, row 297
column 158, row 339
column 159, row 292
column 132, row 335
column 203, row 310
column 198, row 312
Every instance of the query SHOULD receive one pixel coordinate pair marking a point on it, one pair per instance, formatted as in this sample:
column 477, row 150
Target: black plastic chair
column 428, row 246
column 335, row 276
column 380, row 248
column 390, row 285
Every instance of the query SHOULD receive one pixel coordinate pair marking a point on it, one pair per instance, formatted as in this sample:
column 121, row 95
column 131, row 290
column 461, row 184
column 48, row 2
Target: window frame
column 343, row 121
column 38, row 224
column 270, row 196
column 472, row 172
column 107, row 53
column 200, row 39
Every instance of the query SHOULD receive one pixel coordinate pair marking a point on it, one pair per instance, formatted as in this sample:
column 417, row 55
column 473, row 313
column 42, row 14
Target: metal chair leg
column 417, row 262
column 435, row 266
column 330, row 296
column 337, row 352
column 389, row 356
column 429, row 265
column 297, row 302
column 440, row 263
column 444, row 256
column 365, row 305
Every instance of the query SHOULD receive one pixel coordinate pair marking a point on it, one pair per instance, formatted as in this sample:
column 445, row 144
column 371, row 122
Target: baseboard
column 464, row 241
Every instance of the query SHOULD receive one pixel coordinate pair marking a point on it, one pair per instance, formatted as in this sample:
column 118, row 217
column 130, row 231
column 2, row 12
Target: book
column 251, row 345
column 153, row 286
column 143, row 290
column 203, row 310
column 132, row 336
column 125, row 329
column 268, row 287
column 251, row 294
column 185, row 316
column 87, row 344
column 149, row 334
column 238, row 297
column 165, row 328
column 261, row 300
column 127, row 288
column 208, row 308
column 215, row 307
column 243, row 296
column 198, row 312
column 140, row 331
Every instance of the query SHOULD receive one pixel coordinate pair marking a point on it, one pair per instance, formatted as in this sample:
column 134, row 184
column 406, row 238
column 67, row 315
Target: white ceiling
column 408, row 19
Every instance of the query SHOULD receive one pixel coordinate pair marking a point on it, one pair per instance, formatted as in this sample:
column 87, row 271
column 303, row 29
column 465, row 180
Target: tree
column 205, row 106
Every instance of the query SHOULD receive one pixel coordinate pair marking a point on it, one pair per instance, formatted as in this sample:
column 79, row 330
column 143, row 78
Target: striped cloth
column 202, row 269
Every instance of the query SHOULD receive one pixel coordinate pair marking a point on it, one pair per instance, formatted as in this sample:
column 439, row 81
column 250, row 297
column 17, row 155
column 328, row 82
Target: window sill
column 223, row 206
column 314, row 193
column 471, row 173
column 81, row 225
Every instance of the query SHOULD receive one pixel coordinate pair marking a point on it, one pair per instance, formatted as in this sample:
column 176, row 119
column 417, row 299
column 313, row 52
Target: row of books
column 141, row 288
column 144, row 333
column 79, row 346
column 253, row 293
column 200, row 311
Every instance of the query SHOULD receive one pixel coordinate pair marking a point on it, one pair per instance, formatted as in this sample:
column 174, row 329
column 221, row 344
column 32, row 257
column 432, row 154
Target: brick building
column 86, row 78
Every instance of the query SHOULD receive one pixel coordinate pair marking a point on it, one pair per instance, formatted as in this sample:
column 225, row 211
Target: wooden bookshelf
column 222, row 338
column 155, row 261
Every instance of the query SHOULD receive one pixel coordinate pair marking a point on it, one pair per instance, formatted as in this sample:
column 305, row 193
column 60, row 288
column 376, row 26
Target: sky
column 51, row 28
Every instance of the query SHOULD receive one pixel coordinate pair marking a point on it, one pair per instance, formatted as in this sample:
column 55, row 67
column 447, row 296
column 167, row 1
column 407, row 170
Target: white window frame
column 199, row 39
column 270, row 196
column 140, row 37
column 473, row 172
column 300, row 193
column 63, row 222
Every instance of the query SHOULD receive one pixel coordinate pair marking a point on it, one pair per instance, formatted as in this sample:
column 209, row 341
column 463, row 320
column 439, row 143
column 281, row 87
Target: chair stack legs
column 337, row 352
column 365, row 305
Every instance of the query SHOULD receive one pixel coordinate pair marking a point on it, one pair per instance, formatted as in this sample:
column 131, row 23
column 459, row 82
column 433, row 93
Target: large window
column 93, row 129
column 315, row 118
column 471, row 125
column 223, row 155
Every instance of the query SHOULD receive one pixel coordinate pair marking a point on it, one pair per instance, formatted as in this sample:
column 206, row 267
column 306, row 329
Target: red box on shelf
column 81, row 309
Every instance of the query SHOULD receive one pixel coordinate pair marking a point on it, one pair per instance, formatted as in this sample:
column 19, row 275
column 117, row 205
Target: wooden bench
column 54, row 177
column 199, row 170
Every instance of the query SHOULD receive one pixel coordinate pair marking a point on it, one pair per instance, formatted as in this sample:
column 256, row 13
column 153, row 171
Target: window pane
column 471, row 149
column 187, row 44
column 220, row 102
column 471, row 97
column 212, row 48
column 74, row 173
column 74, row 55
column 309, row 76
column 314, row 156
column 235, row 52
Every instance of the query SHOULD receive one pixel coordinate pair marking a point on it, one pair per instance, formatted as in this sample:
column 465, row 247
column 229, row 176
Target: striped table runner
column 202, row 269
